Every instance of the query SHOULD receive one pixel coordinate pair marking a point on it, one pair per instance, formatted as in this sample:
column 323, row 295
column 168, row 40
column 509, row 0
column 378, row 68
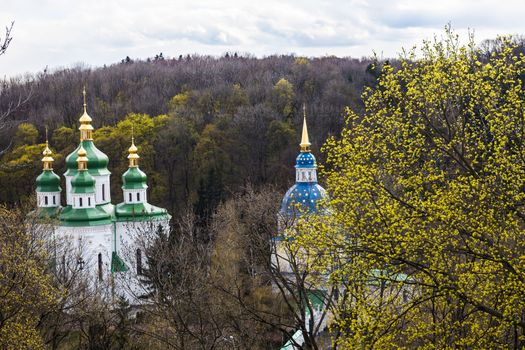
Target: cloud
column 204, row 34
column 60, row 32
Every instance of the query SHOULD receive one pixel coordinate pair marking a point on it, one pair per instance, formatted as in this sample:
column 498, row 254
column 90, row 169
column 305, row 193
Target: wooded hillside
column 205, row 126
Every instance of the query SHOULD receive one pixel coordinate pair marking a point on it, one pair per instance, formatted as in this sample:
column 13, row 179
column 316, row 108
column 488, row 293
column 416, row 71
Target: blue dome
column 302, row 196
column 305, row 160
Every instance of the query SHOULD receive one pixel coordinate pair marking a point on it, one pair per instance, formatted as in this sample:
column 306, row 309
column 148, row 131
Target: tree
column 283, row 95
column 273, row 296
column 26, row 288
column 214, row 167
column 280, row 145
column 4, row 43
column 427, row 204
column 18, row 171
column 182, row 314
column 14, row 103
column 26, row 134
column 249, row 130
column 176, row 141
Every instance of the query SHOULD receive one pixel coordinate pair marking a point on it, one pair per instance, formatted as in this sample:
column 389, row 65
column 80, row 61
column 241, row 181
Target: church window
column 64, row 266
column 45, row 200
column 139, row 261
column 100, row 266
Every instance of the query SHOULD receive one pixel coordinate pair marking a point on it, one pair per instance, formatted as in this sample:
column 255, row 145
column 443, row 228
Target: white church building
column 97, row 228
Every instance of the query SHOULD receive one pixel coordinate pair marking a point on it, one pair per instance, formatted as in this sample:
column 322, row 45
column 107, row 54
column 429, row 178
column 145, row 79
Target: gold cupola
column 47, row 160
column 86, row 129
column 305, row 143
column 133, row 156
column 82, row 159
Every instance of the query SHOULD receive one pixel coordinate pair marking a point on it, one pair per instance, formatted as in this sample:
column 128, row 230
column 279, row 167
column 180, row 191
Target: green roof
column 117, row 264
column 97, row 160
column 84, row 216
column 139, row 212
column 134, row 179
column 48, row 181
column 108, row 208
column 317, row 298
column 379, row 276
column 83, row 182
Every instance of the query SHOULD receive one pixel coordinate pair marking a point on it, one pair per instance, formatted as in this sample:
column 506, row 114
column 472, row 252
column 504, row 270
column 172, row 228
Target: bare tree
column 13, row 104
column 173, row 289
column 254, row 259
column 4, row 43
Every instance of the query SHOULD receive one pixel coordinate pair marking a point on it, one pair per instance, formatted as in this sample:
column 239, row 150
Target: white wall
column 100, row 182
column 90, row 241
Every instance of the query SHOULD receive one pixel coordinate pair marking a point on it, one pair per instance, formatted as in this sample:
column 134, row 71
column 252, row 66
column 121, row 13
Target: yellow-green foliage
column 116, row 140
column 19, row 168
column 26, row 289
column 179, row 100
column 429, row 182
column 26, row 134
column 302, row 61
column 285, row 93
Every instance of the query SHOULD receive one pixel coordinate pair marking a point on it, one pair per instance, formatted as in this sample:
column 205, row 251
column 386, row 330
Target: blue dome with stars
column 302, row 197
column 305, row 160
column 305, row 195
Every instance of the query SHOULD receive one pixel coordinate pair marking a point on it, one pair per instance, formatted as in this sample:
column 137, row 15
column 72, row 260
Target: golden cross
column 84, row 93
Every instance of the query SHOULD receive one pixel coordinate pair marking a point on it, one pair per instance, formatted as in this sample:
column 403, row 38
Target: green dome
column 48, row 181
column 134, row 179
column 83, row 182
column 97, row 160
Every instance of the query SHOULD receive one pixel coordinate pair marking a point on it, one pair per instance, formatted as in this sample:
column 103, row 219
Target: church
column 99, row 230
column 104, row 234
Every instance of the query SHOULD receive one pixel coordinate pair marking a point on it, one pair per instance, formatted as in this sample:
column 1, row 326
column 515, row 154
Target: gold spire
column 82, row 159
column 133, row 156
column 47, row 160
column 86, row 129
column 84, row 93
column 305, row 143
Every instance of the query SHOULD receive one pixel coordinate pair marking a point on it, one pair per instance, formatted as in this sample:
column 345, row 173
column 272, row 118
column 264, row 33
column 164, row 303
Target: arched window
column 100, row 266
column 54, row 200
column 139, row 262
column 89, row 201
column 64, row 272
column 138, row 197
column 80, row 201
column 103, row 192
column 45, row 200
column 130, row 199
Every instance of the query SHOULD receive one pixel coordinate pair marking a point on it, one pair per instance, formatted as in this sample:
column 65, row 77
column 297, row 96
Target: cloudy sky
column 64, row 33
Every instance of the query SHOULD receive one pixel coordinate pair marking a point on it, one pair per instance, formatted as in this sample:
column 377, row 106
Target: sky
column 66, row 33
